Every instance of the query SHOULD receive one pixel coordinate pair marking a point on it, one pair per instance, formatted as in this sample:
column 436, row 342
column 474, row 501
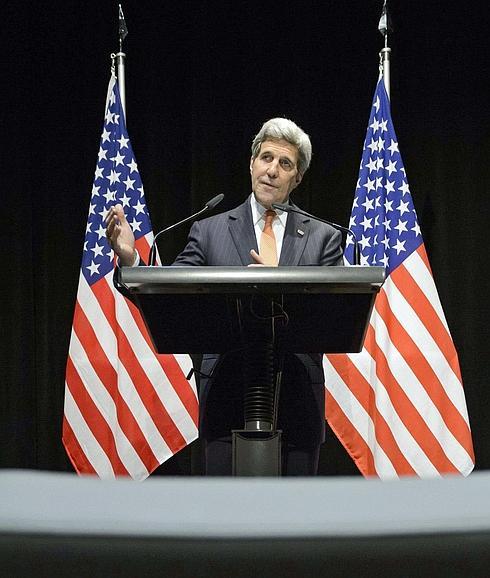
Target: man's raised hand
column 120, row 235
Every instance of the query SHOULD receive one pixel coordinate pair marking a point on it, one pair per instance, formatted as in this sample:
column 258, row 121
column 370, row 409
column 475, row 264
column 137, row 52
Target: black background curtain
column 201, row 79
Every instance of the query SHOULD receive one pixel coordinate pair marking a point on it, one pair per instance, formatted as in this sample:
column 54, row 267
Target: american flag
column 398, row 407
column 127, row 409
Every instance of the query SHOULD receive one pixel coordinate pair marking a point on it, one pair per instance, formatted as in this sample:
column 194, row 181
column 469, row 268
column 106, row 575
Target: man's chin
column 266, row 199
column 263, row 199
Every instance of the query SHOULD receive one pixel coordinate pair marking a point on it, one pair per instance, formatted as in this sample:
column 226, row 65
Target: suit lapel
column 295, row 239
column 242, row 231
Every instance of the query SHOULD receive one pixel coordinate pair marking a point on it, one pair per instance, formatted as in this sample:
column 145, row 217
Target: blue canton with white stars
column 116, row 180
column 383, row 216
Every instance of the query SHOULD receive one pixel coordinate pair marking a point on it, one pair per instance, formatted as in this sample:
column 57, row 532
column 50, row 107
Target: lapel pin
column 300, row 232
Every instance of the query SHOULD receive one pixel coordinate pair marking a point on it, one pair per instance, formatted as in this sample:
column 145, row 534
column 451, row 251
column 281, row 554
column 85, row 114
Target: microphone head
column 282, row 207
column 214, row 201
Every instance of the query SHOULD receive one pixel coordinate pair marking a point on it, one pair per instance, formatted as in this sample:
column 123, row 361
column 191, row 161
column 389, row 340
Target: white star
column 371, row 165
column 108, row 116
column 95, row 191
column 100, row 232
column 377, row 202
column 355, row 203
column 364, row 260
column 382, row 126
column 387, row 224
column 401, row 227
column 369, row 184
column 103, row 213
column 123, row 142
column 373, row 145
column 376, row 104
column 93, row 268
column 102, row 154
column 85, row 245
column 376, row 221
column 352, row 222
column 112, row 98
column 139, row 208
column 349, row 240
column 98, row 173
column 393, row 148
column 125, row 200
column 416, row 229
column 91, row 209
column 381, row 144
column 388, row 206
column 379, row 163
column 386, row 241
column 129, row 183
column 404, row 188
column 116, row 119
column 391, row 167
column 119, row 158
column 132, row 166
column 374, row 125
column 88, row 227
column 97, row 250
column 378, row 183
column 390, row 187
column 114, row 177
column 141, row 190
column 399, row 246
column 135, row 225
column 364, row 242
column 384, row 260
column 403, row 208
column 109, row 196
column 366, row 223
column 106, row 135
column 368, row 204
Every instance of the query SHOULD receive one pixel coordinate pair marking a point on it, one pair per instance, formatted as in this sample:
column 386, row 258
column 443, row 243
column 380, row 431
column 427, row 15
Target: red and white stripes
column 127, row 409
column 398, row 406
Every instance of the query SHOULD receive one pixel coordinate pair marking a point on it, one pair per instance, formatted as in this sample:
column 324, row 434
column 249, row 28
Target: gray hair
column 283, row 128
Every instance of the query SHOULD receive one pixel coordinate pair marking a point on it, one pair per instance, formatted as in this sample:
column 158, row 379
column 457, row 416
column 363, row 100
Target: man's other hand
column 259, row 261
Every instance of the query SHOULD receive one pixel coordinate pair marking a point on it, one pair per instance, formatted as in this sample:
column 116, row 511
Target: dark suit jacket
column 226, row 240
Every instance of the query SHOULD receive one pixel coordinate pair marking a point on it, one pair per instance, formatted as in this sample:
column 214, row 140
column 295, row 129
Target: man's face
column 274, row 172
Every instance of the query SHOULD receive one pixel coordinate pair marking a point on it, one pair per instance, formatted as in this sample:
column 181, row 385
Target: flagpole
column 121, row 79
column 121, row 60
column 385, row 62
column 384, row 27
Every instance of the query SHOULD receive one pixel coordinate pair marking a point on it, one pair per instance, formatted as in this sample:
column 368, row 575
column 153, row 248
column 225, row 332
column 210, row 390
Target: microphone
column 290, row 209
column 207, row 207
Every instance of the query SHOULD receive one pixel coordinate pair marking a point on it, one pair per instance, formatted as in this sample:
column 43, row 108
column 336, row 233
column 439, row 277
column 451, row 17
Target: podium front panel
column 200, row 309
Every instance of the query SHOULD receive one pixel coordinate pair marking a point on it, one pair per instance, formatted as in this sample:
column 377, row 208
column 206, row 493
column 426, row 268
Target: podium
column 265, row 312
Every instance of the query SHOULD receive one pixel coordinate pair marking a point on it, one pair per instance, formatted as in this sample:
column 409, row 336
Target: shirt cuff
column 136, row 261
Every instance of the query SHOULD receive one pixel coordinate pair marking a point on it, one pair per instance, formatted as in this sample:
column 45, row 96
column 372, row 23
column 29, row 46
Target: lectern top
column 291, row 280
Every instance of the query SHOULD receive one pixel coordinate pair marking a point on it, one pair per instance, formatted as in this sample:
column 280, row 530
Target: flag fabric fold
column 398, row 407
column 127, row 408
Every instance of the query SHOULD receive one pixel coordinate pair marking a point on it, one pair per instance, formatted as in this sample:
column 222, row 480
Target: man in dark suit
column 254, row 235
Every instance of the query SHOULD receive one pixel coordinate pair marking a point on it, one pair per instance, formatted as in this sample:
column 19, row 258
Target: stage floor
column 71, row 526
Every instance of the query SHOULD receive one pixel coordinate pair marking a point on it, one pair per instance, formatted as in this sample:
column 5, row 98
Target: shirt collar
column 258, row 212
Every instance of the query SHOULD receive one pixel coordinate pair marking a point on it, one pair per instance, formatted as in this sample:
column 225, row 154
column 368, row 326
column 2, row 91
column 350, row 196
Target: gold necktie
column 268, row 249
